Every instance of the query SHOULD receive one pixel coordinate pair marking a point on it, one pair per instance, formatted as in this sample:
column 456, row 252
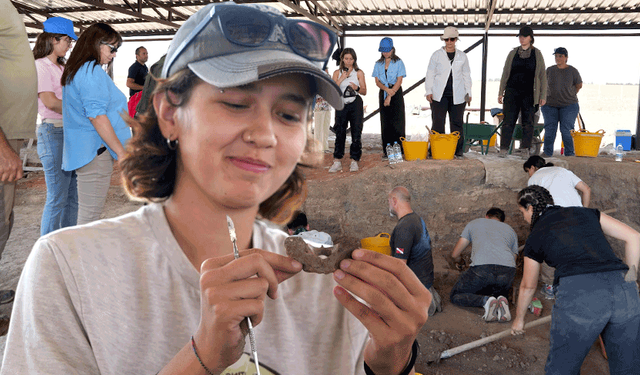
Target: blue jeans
column 61, row 206
column 478, row 282
column 589, row 305
column 567, row 118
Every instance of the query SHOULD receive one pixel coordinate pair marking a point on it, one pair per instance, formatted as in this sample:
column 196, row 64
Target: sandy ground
column 453, row 327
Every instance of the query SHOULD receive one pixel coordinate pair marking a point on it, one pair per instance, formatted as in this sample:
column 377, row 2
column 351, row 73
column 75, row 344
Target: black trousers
column 392, row 121
column 517, row 103
column 439, row 112
column 352, row 113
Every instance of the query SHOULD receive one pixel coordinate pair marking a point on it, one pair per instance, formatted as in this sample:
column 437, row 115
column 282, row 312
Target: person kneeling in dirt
column 493, row 265
column 410, row 242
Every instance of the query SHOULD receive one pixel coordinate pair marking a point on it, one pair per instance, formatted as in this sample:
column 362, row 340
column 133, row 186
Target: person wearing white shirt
column 448, row 86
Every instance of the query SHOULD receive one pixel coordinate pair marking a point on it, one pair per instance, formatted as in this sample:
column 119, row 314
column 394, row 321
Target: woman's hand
column 398, row 306
column 542, row 102
column 430, row 98
column 387, row 101
column 230, row 290
column 500, row 99
column 517, row 327
column 353, row 86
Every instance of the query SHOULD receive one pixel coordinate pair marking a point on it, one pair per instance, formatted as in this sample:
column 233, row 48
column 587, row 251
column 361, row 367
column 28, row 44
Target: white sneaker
column 491, row 310
column 336, row 167
column 504, row 315
column 354, row 166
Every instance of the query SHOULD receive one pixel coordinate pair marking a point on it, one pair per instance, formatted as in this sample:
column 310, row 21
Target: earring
column 173, row 145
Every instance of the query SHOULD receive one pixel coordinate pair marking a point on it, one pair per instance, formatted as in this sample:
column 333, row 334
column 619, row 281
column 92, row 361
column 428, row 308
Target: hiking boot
column 504, row 315
column 490, row 310
column 6, row 296
column 354, row 166
column 503, row 153
column 548, row 291
column 336, row 167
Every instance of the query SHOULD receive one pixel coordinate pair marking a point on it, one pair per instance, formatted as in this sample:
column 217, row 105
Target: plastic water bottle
column 619, row 152
column 398, row 152
column 390, row 154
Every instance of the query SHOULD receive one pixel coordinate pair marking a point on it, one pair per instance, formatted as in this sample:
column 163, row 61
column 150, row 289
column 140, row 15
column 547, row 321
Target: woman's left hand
column 387, row 101
column 397, row 306
column 353, row 85
column 517, row 327
column 542, row 102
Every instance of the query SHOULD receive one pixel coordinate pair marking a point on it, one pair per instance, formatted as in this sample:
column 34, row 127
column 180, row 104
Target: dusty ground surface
column 455, row 206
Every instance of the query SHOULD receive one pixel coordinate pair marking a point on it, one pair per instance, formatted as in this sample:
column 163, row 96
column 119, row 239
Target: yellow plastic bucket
column 443, row 146
column 379, row 243
column 414, row 150
column 586, row 143
column 492, row 141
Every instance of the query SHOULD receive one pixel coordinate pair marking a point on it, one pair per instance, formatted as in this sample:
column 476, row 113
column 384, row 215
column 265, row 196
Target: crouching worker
column 411, row 243
column 597, row 293
column 493, row 266
column 158, row 291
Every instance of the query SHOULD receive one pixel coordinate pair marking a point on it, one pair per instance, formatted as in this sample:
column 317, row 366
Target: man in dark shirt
column 410, row 242
column 138, row 71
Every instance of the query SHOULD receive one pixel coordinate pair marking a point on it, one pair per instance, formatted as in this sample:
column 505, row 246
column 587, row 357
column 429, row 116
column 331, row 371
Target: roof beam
column 325, row 12
column 492, row 8
column 25, row 9
column 169, row 8
column 128, row 12
column 451, row 12
column 309, row 15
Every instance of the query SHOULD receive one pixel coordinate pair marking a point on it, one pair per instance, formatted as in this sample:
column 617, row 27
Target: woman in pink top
column 61, row 206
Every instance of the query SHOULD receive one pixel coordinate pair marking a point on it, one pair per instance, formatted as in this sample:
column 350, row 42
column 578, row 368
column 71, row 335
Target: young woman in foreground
column 159, row 290
column 597, row 293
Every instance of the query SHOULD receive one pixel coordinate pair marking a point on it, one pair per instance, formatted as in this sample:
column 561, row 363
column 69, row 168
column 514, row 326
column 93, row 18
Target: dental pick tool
column 236, row 254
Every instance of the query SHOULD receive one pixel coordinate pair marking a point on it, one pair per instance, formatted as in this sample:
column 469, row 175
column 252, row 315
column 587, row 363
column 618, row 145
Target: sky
column 600, row 60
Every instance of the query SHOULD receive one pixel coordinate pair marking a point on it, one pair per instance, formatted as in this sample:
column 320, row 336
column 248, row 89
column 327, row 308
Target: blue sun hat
column 230, row 45
column 386, row 45
column 60, row 25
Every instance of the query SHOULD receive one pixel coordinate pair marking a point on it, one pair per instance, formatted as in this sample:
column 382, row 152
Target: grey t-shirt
column 492, row 242
column 562, row 86
column 120, row 297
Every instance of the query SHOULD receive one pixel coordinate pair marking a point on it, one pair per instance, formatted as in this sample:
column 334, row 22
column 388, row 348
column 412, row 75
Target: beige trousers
column 7, row 200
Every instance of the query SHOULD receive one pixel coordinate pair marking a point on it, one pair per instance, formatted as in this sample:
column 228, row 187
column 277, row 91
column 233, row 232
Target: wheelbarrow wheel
column 536, row 145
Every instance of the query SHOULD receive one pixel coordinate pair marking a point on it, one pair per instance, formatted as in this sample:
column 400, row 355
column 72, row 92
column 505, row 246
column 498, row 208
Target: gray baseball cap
column 229, row 45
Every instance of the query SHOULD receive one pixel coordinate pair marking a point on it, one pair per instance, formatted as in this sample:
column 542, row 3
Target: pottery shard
column 316, row 260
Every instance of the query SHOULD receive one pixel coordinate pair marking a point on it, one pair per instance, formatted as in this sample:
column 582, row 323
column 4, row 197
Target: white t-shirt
column 561, row 183
column 119, row 297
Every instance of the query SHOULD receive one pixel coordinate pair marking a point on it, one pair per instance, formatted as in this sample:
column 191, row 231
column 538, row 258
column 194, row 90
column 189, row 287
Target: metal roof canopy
column 137, row 18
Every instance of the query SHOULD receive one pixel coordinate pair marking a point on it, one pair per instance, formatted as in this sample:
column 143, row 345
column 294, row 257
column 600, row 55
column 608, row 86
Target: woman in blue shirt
column 388, row 72
column 92, row 107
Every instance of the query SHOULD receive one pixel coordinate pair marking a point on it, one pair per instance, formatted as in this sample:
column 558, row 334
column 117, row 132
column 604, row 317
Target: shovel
column 474, row 344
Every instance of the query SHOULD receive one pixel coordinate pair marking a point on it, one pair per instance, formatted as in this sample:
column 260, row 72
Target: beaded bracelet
column 193, row 345
column 407, row 370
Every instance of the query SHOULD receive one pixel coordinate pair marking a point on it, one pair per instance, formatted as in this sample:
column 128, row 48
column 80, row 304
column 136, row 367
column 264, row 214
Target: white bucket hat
column 449, row 32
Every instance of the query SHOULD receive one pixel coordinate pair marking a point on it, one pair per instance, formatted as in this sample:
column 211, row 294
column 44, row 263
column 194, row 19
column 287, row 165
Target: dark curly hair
column 537, row 197
column 149, row 168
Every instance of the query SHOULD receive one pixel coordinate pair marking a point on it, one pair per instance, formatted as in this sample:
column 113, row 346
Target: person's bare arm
column 133, row 85
column 362, row 82
column 585, row 190
column 10, row 163
column 106, row 132
column 622, row 231
column 455, row 257
column 50, row 101
column 381, row 86
column 528, row 286
column 396, row 86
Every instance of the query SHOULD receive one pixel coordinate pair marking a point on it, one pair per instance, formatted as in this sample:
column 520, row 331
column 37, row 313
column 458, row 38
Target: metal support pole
column 638, row 124
column 483, row 89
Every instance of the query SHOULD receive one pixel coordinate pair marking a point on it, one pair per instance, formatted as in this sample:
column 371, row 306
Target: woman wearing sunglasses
column 448, row 86
column 61, row 205
column 94, row 131
column 159, row 290
column 389, row 71
column 352, row 84
column 597, row 292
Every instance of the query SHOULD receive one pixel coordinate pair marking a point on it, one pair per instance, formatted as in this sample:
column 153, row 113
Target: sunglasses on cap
column 450, row 39
column 114, row 49
column 249, row 27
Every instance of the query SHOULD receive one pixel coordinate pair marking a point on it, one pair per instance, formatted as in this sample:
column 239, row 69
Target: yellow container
column 379, row 243
column 443, row 146
column 492, row 141
column 414, row 150
column 586, row 143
